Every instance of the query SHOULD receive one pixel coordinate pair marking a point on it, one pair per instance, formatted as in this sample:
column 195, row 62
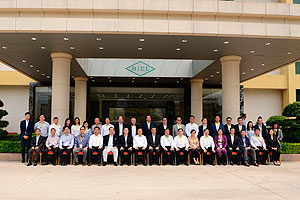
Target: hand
column 85, row 148
column 248, row 148
column 136, row 148
column 156, row 148
column 54, row 147
column 256, row 148
column 237, row 148
column 150, row 148
column 121, row 148
column 25, row 137
column 165, row 149
column 230, row 148
column 36, row 147
column 106, row 147
column 74, row 148
column 213, row 151
column 172, row 149
column 204, row 150
column 68, row 147
column 61, row 148
column 177, row 149
column 218, row 148
column 115, row 147
column 49, row 148
column 223, row 149
column 130, row 148
column 265, row 149
column 32, row 147
column 90, row 147
column 144, row 148
column 187, row 149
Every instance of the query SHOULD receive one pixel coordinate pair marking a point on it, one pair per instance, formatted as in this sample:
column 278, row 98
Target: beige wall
column 15, row 99
column 262, row 102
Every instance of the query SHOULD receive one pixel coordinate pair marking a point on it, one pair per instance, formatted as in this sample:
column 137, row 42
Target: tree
column 292, row 110
column 3, row 123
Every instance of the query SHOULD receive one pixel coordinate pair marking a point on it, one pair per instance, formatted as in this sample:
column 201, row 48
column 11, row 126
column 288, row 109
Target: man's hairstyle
column 191, row 130
column 181, row 129
column 151, row 127
column 41, row 115
column 66, row 127
column 260, row 117
column 37, row 129
column 232, row 128
column 55, row 118
column 240, row 118
column 244, row 115
column 192, row 116
column 228, row 118
column 167, row 129
column 27, row 113
column 111, row 128
column 243, row 131
column 98, row 128
column 82, row 128
column 142, row 128
column 206, row 130
column 204, row 118
column 53, row 129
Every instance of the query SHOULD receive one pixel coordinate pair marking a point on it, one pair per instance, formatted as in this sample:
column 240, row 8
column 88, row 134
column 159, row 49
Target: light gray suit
column 175, row 129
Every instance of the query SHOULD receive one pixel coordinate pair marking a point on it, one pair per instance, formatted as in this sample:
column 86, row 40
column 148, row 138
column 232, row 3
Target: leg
column 239, row 156
column 136, row 156
column 172, row 157
column 75, row 154
column 45, row 154
column 151, row 156
column 144, row 156
column 165, row 157
column 91, row 151
column 115, row 154
column 185, row 156
column 122, row 156
column 84, row 155
column 68, row 155
column 230, row 155
column 54, row 157
column 37, row 155
column 23, row 145
column 177, row 157
column 105, row 153
column 253, row 155
column 30, row 152
column 99, row 151
column 157, row 151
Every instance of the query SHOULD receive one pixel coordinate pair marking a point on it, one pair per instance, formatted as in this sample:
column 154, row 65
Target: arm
column 213, row 144
column 101, row 142
column 175, row 143
column 264, row 144
column 280, row 135
column 252, row 143
column 41, row 143
column 225, row 142
column 60, row 142
column 162, row 143
column 72, row 142
column 76, row 143
column 145, row 142
column 201, row 143
column 268, row 143
column 186, row 143
column 134, row 142
column 47, row 142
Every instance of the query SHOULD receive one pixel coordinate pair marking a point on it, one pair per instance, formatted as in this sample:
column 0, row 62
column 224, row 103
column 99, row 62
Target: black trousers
column 265, row 154
column 194, row 153
column 275, row 154
column 206, row 157
column 157, row 152
column 25, row 144
column 165, row 156
column 185, row 152
column 54, row 156
column 136, row 151
column 64, row 158
column 239, row 155
column 92, row 150
column 37, row 154
column 128, row 161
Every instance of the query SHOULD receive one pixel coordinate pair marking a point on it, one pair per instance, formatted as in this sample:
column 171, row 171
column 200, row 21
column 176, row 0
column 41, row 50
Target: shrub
column 292, row 110
column 281, row 120
column 10, row 146
column 3, row 123
column 290, row 148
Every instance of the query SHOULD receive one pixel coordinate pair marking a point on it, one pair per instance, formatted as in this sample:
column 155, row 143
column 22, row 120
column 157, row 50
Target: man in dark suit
column 153, row 146
column 216, row 126
column 26, row 128
column 125, row 145
column 239, row 127
column 133, row 127
column 228, row 125
column 163, row 126
column 36, row 146
column 147, row 125
column 119, row 127
column 202, row 128
column 233, row 146
column 110, row 143
column 262, row 128
column 245, row 146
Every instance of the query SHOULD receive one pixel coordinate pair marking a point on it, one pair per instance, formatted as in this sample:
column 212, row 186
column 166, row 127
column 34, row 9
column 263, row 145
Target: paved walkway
column 168, row 182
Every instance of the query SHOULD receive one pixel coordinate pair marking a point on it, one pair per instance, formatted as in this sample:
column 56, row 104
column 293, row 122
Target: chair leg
column 227, row 160
column 40, row 159
column 269, row 158
column 147, row 159
column 189, row 158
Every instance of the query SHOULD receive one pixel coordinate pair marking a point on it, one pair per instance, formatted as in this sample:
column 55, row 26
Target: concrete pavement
column 156, row 182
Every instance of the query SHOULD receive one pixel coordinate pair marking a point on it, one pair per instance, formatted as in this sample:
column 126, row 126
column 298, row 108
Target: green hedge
column 290, row 148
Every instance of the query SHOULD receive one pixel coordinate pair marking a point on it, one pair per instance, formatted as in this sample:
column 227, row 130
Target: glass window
column 212, row 103
column 297, row 95
column 296, row 1
column 297, row 65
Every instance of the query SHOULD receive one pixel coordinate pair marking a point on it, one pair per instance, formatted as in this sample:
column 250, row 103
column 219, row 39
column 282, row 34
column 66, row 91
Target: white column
column 80, row 97
column 196, row 99
column 230, row 87
column 60, row 85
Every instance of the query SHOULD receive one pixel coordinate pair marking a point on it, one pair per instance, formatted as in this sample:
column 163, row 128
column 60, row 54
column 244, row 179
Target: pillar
column 80, row 97
column 196, row 99
column 60, row 85
column 230, row 87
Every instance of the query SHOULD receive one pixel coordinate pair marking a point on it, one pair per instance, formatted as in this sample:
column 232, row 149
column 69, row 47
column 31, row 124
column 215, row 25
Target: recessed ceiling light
column 66, row 39
column 206, row 79
column 289, row 53
column 215, row 50
column 72, row 76
column 244, row 73
column 142, row 39
column 262, row 64
column 226, row 42
column 267, row 43
column 37, row 70
column 4, row 47
column 217, row 72
column 177, row 81
column 33, row 38
column 110, row 81
column 211, row 75
column 48, row 76
column 132, row 81
column 140, row 48
column 43, row 74
column 133, row 78
column 252, row 51
column 108, row 77
column 23, row 61
column 177, row 49
column 184, row 41
column 155, row 81
column 252, row 69
column 42, row 47
column 93, row 80
column 181, row 78
column 72, row 48
column 157, row 78
column 91, row 77
column 101, row 48
column 31, row 66
column 98, row 39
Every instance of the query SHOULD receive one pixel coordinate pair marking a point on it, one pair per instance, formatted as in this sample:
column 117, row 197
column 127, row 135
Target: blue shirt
column 66, row 141
column 84, row 141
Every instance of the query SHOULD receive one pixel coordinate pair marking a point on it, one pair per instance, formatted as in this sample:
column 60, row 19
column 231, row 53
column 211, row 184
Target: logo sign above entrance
column 102, row 67
column 140, row 68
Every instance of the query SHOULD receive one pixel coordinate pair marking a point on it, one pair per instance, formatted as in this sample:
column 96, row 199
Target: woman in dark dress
column 274, row 147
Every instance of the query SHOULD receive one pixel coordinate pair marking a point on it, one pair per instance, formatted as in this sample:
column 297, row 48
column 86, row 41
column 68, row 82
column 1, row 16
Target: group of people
column 247, row 141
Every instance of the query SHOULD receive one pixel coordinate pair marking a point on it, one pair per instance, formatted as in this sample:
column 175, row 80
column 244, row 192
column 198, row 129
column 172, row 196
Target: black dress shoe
column 144, row 164
column 104, row 163
column 76, row 163
column 115, row 164
column 135, row 164
column 122, row 164
column 90, row 164
column 99, row 164
column 186, row 164
column 54, row 164
column 45, row 163
column 83, row 164
column 231, row 163
column 128, row 164
column 29, row 164
column 238, row 163
column 23, row 161
column 34, row 164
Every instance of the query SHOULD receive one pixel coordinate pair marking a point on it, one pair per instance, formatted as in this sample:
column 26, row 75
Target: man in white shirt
column 207, row 144
column 110, row 143
column 56, row 126
column 95, row 145
column 119, row 127
column 167, row 145
column 43, row 126
column 228, row 125
column 140, row 145
column 259, row 145
column 105, row 128
column 52, row 144
column 181, row 145
column 191, row 126
column 97, row 124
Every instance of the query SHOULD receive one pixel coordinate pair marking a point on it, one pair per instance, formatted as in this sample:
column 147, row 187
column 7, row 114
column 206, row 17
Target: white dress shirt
column 120, row 129
column 139, row 141
column 111, row 141
column 105, row 129
column 96, row 141
column 75, row 130
column 257, row 141
column 206, row 142
column 190, row 127
column 57, row 128
column 181, row 142
column 133, row 131
column 167, row 141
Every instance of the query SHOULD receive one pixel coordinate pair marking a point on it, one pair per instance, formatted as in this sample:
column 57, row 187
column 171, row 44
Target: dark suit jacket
column 122, row 141
column 235, row 142
column 151, row 143
column 146, row 130
column 272, row 143
column 237, row 130
column 264, row 130
column 40, row 142
column 201, row 132
column 117, row 128
column 115, row 140
column 241, row 143
column 130, row 130
column 214, row 129
column 161, row 130
column 28, row 132
column 227, row 131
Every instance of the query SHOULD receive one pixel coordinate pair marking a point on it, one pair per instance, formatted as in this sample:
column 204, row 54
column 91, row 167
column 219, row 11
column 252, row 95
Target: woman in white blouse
column 75, row 128
column 250, row 130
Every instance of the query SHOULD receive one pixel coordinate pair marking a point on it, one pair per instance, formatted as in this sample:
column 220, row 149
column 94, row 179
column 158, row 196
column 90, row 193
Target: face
column 220, row 132
column 250, row 124
column 217, row 119
column 153, row 130
column 86, row 124
column 204, row 121
column 275, row 126
column 37, row 132
column 206, row 132
column 97, row 131
column 180, row 132
column 140, row 132
column 120, row 119
column 111, row 131
column 243, row 133
column 68, row 122
column 27, row 117
column 178, row 120
column 193, row 134
column 55, row 121
column 240, row 121
column 133, row 121
column 82, row 130
column 164, row 120
column 167, row 132
column 192, row 119
column 107, row 120
column 260, row 121
column 257, row 132
column 271, row 132
column 148, row 118
column 53, row 132
column 42, row 118
column 228, row 121
column 232, row 131
column 126, row 131
column 97, row 121
column 67, row 130
column 77, row 121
